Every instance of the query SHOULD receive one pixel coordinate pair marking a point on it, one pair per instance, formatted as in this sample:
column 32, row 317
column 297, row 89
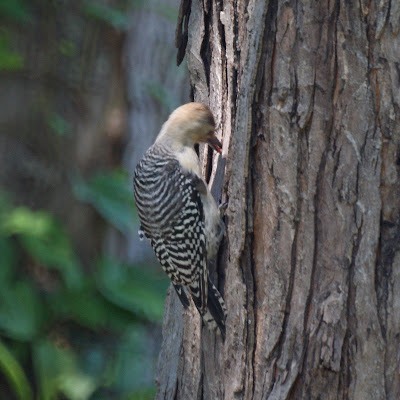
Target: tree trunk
column 306, row 99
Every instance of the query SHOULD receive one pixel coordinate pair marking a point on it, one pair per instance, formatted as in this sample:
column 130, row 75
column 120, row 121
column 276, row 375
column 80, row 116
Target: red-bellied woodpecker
column 177, row 211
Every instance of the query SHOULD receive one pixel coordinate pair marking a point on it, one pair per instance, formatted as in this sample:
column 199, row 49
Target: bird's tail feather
column 182, row 295
column 215, row 315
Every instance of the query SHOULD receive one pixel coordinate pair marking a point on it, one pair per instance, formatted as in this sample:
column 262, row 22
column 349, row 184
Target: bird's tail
column 215, row 315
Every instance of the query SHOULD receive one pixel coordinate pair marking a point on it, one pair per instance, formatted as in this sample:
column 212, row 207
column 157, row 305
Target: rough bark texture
column 306, row 98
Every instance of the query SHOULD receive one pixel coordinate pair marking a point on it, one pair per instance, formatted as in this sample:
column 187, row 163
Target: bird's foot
column 222, row 208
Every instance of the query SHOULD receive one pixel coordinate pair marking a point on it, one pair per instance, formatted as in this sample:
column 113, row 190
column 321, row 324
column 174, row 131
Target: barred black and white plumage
column 177, row 212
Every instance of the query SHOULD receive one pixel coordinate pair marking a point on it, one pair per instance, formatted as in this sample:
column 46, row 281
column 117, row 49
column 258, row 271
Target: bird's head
column 190, row 124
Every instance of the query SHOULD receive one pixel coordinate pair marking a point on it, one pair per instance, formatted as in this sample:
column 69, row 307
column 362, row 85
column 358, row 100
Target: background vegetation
column 78, row 320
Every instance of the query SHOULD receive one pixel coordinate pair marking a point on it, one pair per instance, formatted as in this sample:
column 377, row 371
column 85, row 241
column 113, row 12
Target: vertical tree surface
column 306, row 100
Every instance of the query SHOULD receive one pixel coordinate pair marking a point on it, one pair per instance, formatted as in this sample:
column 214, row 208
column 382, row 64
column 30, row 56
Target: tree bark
column 306, row 100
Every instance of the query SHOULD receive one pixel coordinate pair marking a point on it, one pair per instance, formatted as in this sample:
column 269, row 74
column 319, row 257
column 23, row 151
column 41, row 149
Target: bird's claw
column 222, row 208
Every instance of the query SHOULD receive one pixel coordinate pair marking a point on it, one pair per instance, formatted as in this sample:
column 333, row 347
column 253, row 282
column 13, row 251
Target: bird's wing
column 180, row 243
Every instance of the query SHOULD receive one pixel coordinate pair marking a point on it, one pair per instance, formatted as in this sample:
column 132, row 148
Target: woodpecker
column 177, row 211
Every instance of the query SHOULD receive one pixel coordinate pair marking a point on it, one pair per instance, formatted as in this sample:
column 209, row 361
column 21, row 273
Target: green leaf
column 10, row 60
column 136, row 289
column 57, row 372
column 21, row 311
column 24, row 221
column 9, row 258
column 90, row 309
column 111, row 195
column 45, row 240
column 14, row 374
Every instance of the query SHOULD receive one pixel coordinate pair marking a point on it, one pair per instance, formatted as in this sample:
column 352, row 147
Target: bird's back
column 167, row 198
column 151, row 188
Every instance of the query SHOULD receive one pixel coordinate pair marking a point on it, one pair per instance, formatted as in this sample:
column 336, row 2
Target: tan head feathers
column 190, row 124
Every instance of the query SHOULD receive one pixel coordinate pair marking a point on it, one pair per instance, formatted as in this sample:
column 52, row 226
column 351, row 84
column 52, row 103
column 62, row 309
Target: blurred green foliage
column 12, row 11
column 14, row 374
column 15, row 10
column 110, row 195
column 10, row 60
column 84, row 332
column 70, row 330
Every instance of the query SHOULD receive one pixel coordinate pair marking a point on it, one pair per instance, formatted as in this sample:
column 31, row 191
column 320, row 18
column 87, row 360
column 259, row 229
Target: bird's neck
column 188, row 160
column 185, row 154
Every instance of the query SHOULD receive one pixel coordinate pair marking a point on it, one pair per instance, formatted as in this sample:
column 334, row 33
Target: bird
column 177, row 212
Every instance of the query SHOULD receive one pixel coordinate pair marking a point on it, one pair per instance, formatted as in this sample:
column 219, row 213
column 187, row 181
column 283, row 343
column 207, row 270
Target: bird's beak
column 215, row 144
